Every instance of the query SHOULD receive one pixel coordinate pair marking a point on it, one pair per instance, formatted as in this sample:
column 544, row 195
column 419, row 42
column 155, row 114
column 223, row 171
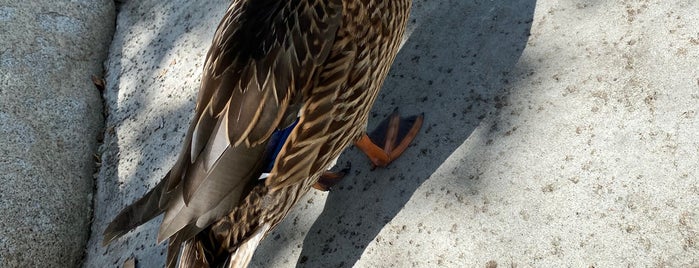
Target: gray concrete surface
column 50, row 119
column 559, row 133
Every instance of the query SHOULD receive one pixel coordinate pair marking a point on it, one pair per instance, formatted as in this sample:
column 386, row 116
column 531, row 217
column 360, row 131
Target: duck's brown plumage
column 270, row 61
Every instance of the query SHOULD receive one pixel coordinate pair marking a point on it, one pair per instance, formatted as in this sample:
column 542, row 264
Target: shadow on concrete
column 455, row 68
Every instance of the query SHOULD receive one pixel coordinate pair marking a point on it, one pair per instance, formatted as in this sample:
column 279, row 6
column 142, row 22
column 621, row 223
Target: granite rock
column 50, row 122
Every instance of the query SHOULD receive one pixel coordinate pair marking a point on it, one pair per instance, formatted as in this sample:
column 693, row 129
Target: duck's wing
column 264, row 53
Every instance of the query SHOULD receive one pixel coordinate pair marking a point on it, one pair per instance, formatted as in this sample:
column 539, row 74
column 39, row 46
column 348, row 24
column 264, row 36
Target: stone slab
column 50, row 121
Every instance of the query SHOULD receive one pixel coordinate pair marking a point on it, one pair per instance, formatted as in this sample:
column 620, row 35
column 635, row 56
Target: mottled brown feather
column 270, row 60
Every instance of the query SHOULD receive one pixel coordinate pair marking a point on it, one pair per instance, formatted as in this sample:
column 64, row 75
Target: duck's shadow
column 454, row 67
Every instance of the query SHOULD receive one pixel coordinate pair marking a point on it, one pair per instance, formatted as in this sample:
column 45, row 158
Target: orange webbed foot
column 381, row 157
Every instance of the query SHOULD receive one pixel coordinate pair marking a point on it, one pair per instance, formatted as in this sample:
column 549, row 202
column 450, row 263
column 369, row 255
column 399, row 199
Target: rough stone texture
column 50, row 118
column 558, row 133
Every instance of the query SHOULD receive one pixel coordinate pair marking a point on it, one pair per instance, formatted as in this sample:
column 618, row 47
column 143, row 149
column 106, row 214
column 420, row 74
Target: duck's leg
column 329, row 179
column 381, row 157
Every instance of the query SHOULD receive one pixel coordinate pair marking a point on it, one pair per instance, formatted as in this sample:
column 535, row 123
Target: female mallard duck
column 312, row 67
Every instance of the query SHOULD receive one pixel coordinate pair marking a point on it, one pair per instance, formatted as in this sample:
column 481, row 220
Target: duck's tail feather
column 136, row 214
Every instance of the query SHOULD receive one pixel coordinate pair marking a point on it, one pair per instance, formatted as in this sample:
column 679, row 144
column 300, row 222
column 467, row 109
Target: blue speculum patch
column 275, row 145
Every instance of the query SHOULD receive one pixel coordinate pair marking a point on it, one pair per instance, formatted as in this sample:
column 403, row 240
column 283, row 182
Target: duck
column 287, row 85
